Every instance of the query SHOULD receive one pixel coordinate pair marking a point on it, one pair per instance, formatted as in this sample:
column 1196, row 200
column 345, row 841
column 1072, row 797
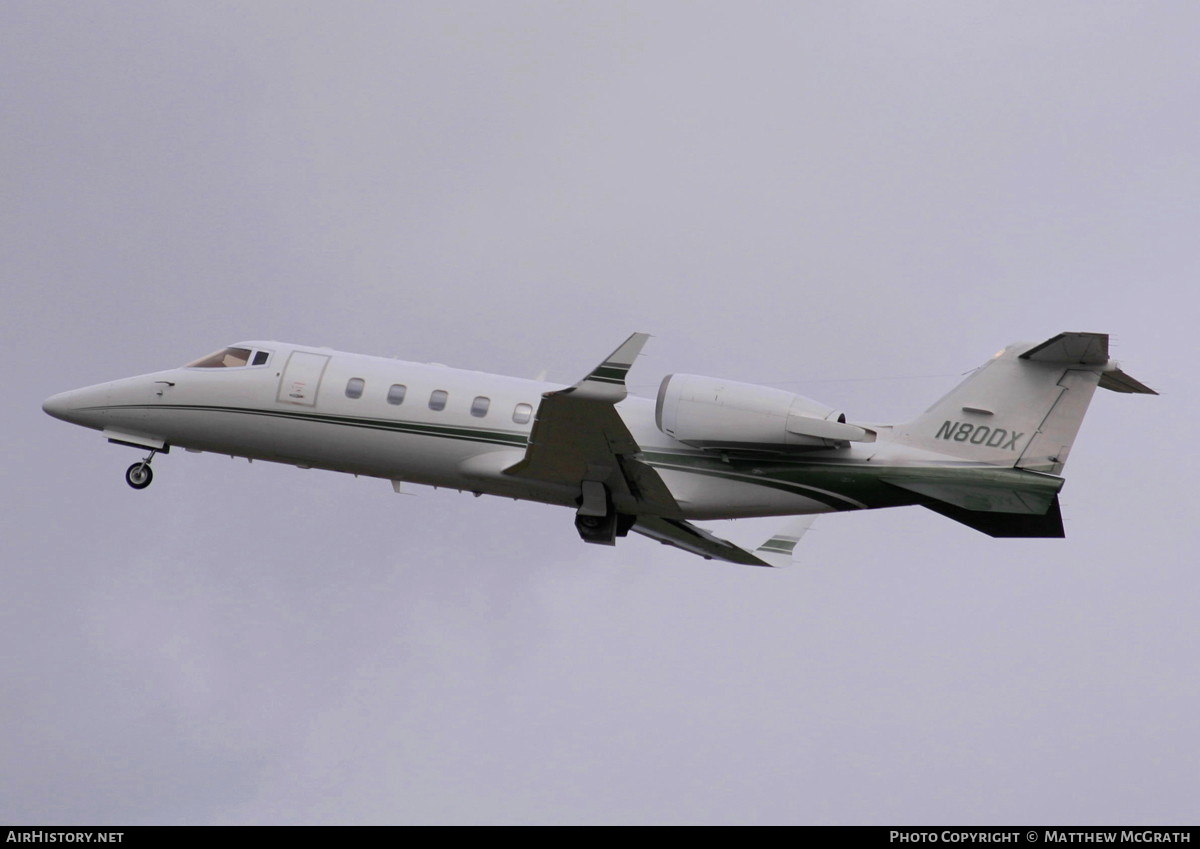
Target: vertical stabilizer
column 1023, row 407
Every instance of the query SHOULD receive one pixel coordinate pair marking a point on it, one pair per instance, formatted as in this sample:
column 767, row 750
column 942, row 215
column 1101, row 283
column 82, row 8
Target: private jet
column 990, row 454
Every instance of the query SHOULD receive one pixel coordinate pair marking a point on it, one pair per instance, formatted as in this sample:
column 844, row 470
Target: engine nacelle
column 707, row 412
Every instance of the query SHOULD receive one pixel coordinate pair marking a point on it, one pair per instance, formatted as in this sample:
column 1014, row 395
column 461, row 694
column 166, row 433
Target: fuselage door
column 302, row 378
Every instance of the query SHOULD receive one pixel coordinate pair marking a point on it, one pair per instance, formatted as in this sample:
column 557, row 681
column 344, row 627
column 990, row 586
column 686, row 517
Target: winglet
column 777, row 551
column 606, row 382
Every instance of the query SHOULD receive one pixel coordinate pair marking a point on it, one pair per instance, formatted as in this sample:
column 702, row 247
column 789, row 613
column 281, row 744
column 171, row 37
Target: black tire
column 139, row 475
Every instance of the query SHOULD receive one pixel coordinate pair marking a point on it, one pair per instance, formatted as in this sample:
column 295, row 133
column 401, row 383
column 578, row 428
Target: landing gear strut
column 140, row 475
column 596, row 520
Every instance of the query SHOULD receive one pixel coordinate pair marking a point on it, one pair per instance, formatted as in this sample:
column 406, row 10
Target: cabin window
column 396, row 393
column 224, row 358
column 354, row 387
column 522, row 413
column 437, row 399
column 479, row 406
column 260, row 358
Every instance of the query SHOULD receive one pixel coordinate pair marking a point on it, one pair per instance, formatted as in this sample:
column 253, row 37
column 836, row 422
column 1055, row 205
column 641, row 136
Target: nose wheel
column 140, row 475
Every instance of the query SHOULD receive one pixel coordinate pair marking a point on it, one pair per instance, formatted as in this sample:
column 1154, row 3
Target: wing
column 580, row 441
column 776, row 552
column 579, row 438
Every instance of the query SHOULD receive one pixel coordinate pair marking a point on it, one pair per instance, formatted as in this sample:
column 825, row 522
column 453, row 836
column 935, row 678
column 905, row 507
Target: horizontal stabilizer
column 1076, row 348
column 1011, row 525
column 1119, row 381
column 1087, row 349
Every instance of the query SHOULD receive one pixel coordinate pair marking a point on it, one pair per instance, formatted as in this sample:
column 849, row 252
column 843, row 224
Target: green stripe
column 493, row 437
column 830, row 498
column 610, row 372
column 842, row 484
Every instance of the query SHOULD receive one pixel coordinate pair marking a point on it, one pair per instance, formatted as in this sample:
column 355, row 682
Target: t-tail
column 1023, row 407
column 1017, row 414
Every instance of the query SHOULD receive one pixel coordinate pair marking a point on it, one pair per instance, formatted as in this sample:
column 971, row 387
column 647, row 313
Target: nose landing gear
column 140, row 475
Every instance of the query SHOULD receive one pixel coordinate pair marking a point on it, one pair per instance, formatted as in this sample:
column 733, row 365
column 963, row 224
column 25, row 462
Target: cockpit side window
column 224, row 358
column 260, row 358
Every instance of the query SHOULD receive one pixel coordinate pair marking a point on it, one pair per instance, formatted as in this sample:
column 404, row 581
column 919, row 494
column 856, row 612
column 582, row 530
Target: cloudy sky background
column 855, row 201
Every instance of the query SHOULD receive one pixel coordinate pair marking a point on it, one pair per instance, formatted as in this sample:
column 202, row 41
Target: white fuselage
column 297, row 408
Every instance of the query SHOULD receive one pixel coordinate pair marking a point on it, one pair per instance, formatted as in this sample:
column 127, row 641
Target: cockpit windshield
column 230, row 358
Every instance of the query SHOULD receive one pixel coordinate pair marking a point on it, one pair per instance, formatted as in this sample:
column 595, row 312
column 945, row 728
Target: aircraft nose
column 79, row 406
column 59, row 406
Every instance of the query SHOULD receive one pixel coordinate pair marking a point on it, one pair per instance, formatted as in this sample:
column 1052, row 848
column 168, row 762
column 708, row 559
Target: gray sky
column 800, row 194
